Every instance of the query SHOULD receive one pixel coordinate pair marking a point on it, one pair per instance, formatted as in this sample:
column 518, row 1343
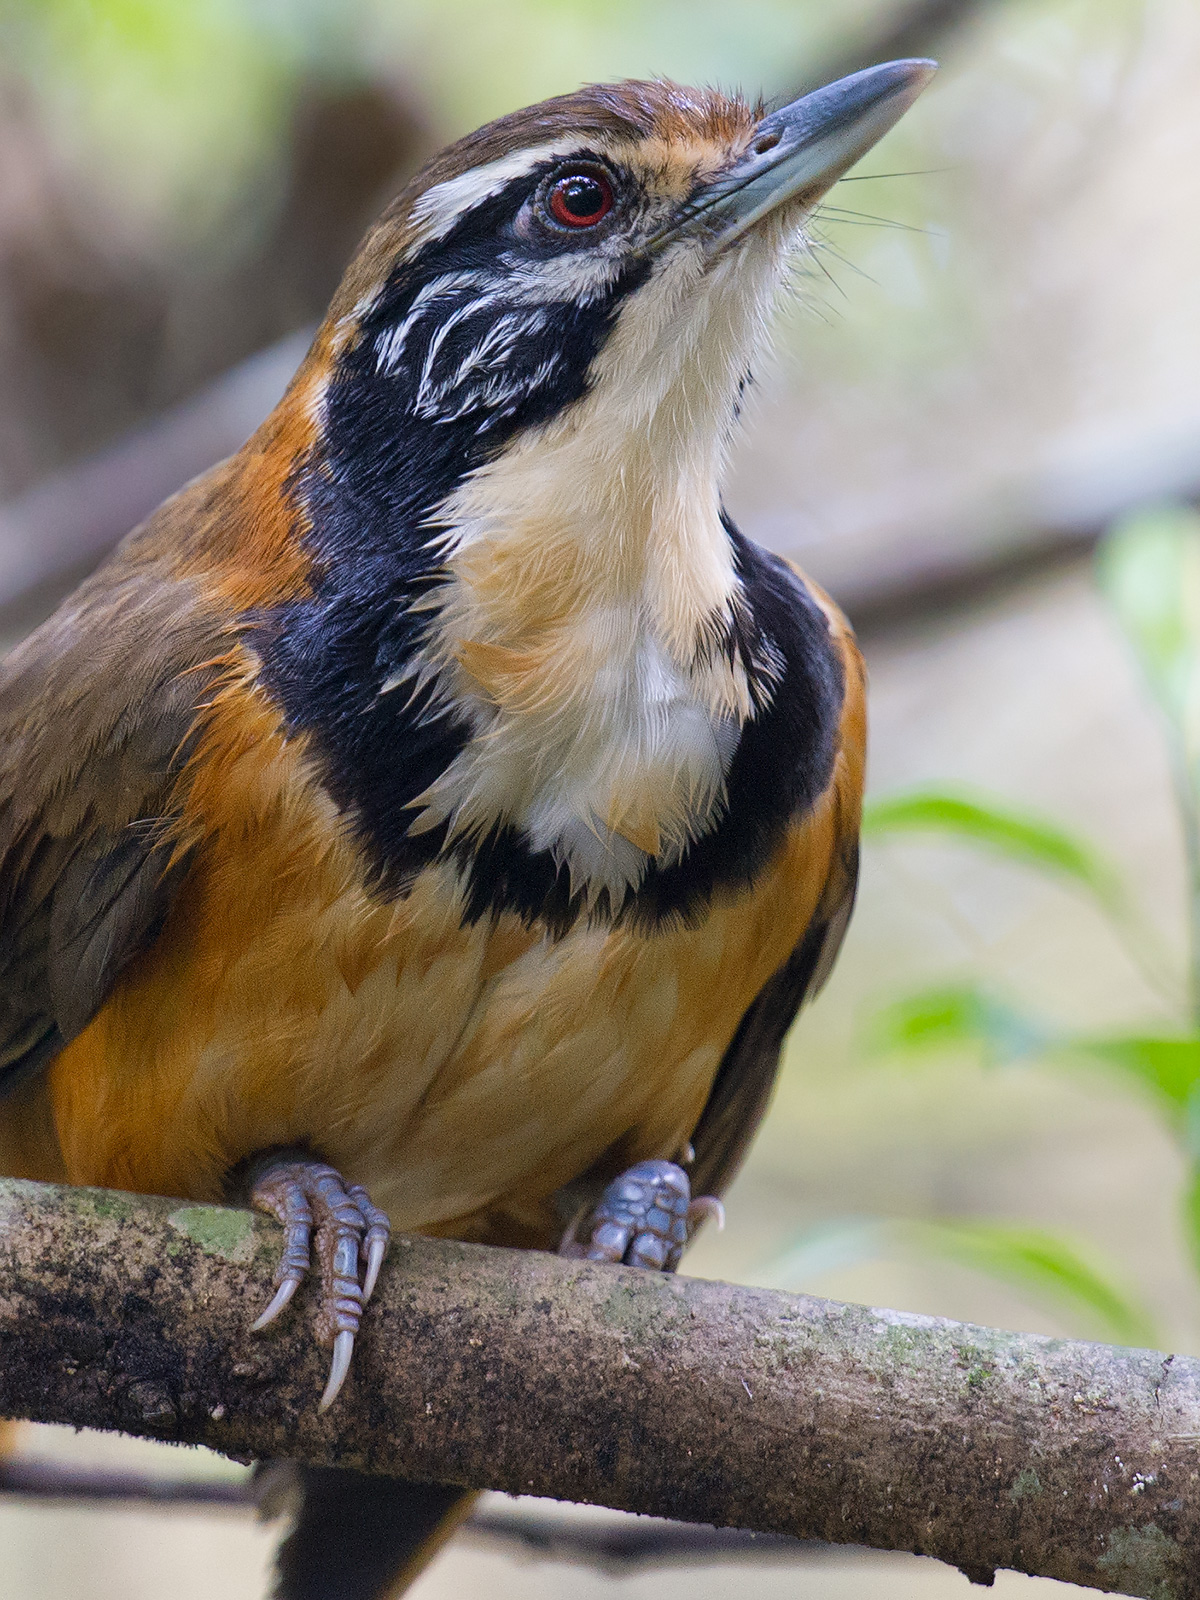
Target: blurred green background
column 990, row 356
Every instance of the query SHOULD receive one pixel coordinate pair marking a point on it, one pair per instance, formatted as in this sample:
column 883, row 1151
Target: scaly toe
column 280, row 1191
column 378, row 1236
column 644, row 1218
column 319, row 1211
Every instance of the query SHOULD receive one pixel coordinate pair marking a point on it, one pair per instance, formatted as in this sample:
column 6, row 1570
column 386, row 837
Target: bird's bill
column 800, row 151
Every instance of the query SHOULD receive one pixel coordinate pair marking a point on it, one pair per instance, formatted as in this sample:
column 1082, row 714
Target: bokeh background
column 990, row 355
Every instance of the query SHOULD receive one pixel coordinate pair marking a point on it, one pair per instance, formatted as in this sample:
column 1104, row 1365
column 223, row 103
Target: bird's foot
column 316, row 1206
column 644, row 1218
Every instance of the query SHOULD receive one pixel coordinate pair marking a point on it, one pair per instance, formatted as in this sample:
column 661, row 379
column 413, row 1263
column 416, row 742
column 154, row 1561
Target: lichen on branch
column 706, row 1402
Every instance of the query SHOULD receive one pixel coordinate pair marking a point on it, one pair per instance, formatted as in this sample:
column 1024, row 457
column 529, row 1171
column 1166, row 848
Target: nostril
column 765, row 142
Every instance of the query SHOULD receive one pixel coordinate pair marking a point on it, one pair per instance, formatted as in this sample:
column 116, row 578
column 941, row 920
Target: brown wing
column 96, row 709
column 745, row 1079
column 742, row 1088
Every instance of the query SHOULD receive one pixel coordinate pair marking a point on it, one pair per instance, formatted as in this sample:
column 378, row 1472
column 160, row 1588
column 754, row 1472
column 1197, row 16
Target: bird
column 434, row 816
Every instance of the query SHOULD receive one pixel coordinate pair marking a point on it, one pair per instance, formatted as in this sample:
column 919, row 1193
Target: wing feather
column 97, row 710
column 746, row 1077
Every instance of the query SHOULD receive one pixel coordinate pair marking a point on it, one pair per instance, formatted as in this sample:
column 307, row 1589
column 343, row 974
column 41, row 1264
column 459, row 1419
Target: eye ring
column 580, row 197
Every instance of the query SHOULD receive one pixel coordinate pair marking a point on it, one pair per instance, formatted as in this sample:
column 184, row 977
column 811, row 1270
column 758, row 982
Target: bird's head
column 517, row 413
column 622, row 243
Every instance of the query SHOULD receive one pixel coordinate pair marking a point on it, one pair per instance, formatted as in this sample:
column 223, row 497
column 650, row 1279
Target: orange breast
column 462, row 1074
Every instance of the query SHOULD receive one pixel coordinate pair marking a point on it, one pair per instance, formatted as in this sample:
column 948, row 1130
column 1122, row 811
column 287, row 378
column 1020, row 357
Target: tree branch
column 912, row 28
column 622, row 1544
column 51, row 535
column 700, row 1401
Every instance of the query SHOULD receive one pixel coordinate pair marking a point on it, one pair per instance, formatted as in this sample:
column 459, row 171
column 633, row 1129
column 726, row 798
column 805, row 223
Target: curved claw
column 376, row 1250
column 375, row 1244
column 280, row 1299
column 343, row 1350
column 703, row 1207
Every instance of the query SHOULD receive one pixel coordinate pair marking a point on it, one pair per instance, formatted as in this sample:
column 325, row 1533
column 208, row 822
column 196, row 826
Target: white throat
column 584, row 631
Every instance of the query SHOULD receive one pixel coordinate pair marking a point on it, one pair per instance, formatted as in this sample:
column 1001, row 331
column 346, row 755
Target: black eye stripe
column 488, row 215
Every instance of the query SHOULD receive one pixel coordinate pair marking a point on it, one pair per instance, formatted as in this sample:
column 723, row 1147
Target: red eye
column 580, row 199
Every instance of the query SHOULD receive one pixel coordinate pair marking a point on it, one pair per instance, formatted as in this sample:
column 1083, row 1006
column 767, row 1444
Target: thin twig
column 58, row 1480
column 916, row 28
column 616, row 1542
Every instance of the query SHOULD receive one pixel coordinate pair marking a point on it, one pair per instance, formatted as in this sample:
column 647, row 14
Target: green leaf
column 954, row 1017
column 828, row 1247
column 1041, row 1264
column 1148, row 569
column 1169, row 1067
column 1020, row 836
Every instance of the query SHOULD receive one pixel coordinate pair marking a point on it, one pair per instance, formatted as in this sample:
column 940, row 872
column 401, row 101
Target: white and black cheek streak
column 535, row 644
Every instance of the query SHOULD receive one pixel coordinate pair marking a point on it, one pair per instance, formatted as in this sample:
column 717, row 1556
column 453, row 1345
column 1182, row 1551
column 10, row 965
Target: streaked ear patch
column 457, row 350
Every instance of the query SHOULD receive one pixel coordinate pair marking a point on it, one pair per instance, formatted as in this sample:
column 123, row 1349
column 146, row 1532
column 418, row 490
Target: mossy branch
column 701, row 1401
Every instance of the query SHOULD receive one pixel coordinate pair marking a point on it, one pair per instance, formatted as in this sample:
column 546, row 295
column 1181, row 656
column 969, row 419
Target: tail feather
column 358, row 1537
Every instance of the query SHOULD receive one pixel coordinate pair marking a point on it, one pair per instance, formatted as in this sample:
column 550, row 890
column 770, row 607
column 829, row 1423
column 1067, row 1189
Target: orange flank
column 462, row 1074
